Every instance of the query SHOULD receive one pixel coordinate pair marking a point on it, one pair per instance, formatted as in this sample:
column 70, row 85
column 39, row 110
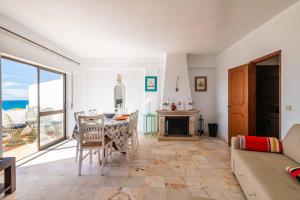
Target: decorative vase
column 173, row 106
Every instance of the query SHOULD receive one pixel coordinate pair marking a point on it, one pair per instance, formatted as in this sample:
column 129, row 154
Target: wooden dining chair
column 77, row 114
column 132, row 130
column 135, row 130
column 76, row 131
column 92, row 112
column 92, row 137
column 130, row 137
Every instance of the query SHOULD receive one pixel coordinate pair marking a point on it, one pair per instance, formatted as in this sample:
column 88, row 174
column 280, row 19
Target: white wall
column 155, row 97
column 204, row 101
column 176, row 66
column 14, row 46
column 100, row 75
column 201, row 61
column 100, row 92
column 281, row 32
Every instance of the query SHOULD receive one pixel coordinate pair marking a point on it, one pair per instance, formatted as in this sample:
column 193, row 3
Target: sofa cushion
column 266, row 174
column 294, row 172
column 255, row 143
column 291, row 143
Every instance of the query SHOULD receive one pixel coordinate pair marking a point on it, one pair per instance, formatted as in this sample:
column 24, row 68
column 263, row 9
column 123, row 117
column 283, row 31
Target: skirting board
column 170, row 138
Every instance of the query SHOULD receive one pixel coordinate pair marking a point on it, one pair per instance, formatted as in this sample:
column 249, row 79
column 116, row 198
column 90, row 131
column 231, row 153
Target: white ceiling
column 111, row 28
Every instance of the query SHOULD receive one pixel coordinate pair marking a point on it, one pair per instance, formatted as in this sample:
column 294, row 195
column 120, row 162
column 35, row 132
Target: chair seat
column 96, row 144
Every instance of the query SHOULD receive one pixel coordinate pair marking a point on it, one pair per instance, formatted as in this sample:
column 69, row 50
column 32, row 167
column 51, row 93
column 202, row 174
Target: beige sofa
column 262, row 175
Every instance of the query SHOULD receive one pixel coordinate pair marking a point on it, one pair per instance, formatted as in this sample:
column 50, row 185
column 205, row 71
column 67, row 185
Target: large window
column 33, row 108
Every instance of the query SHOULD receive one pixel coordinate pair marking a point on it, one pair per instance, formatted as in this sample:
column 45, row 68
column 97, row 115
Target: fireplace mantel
column 193, row 116
column 178, row 112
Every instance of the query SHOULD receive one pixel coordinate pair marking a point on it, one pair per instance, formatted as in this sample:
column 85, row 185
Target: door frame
column 252, row 89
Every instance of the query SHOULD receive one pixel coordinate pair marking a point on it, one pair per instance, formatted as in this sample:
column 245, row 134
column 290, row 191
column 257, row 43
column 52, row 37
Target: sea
column 12, row 104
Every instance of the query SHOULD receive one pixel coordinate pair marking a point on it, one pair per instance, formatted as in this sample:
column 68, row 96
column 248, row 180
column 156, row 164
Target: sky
column 16, row 77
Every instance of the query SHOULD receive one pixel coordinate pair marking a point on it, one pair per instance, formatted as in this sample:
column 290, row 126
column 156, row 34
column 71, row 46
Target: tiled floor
column 159, row 170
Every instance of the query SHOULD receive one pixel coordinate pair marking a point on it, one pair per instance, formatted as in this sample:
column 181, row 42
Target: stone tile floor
column 158, row 170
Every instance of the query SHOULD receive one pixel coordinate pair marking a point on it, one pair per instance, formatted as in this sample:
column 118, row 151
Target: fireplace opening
column 177, row 126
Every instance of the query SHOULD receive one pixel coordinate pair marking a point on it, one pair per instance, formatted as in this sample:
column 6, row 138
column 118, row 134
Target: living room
column 158, row 79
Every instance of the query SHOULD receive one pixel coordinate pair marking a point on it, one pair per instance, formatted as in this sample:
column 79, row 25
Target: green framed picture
column 151, row 83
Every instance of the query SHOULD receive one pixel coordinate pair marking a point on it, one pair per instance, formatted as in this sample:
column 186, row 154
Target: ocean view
column 11, row 104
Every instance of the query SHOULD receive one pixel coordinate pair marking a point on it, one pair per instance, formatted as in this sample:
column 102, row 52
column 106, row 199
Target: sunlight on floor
column 61, row 152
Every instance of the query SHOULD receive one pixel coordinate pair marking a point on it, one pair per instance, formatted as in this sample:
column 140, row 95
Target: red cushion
column 265, row 144
column 256, row 143
column 294, row 172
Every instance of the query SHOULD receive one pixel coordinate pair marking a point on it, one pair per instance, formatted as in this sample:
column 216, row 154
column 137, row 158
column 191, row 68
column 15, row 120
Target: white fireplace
column 179, row 124
column 163, row 126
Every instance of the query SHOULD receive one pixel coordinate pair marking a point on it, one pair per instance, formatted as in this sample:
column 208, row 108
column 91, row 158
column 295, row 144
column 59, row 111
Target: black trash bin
column 213, row 130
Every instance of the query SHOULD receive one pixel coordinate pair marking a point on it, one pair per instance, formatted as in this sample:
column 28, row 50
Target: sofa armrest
column 234, row 143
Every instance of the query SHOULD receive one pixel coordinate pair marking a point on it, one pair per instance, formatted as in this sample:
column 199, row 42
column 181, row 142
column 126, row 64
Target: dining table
column 117, row 130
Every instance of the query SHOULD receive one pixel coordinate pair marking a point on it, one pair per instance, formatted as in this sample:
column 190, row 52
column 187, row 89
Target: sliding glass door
column 51, row 107
column 33, row 107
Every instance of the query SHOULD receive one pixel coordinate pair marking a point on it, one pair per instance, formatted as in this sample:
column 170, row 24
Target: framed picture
column 200, row 83
column 151, row 83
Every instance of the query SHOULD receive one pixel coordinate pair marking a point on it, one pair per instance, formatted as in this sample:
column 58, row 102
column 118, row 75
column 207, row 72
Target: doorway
column 254, row 98
column 266, row 96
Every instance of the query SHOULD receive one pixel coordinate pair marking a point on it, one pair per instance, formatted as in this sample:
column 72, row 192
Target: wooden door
column 238, row 101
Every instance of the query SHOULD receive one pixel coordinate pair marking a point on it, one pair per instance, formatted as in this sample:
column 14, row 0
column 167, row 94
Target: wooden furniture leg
column 9, row 166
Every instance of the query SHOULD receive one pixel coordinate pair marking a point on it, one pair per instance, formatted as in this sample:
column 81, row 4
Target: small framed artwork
column 200, row 83
column 151, row 83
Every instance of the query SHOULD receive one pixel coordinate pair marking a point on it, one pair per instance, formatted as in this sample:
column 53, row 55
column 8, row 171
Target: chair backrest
column 131, row 123
column 133, row 120
column 93, row 112
column 77, row 114
column 136, row 113
column 91, row 129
